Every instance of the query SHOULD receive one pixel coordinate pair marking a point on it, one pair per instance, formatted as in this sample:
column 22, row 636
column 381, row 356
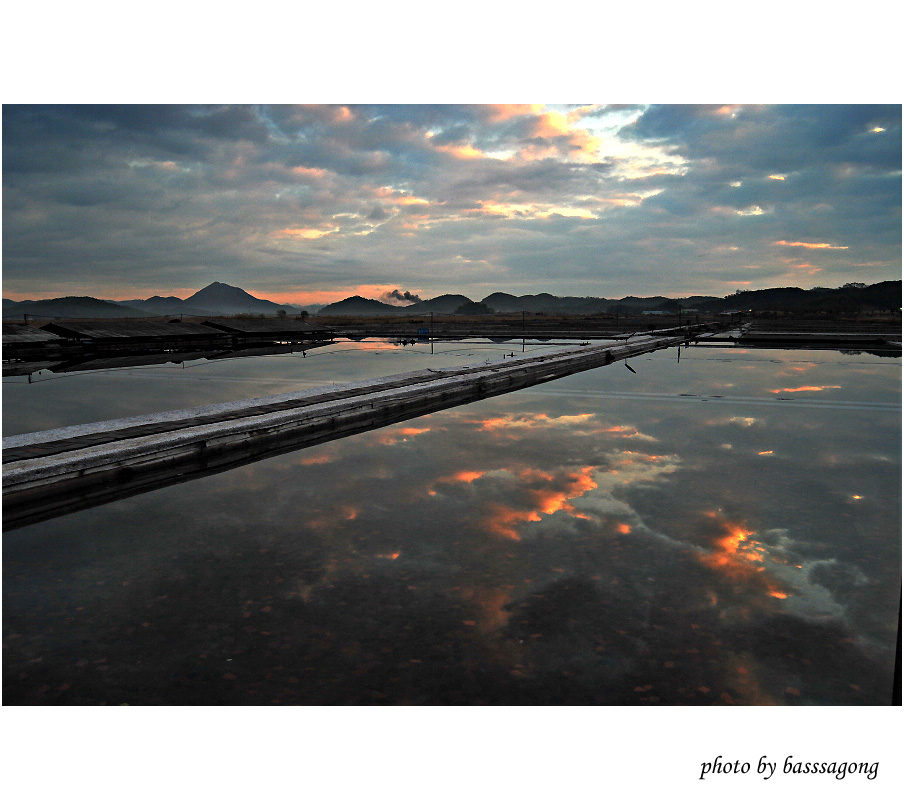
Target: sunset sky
column 311, row 204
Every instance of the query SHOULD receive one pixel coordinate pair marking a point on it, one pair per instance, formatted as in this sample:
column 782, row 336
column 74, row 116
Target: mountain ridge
column 223, row 299
column 885, row 295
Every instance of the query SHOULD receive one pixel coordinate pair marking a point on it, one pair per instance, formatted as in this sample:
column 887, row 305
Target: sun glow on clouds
column 811, row 245
column 462, row 151
column 304, row 233
column 803, row 388
column 396, row 435
column 545, row 494
column 310, row 173
column 375, row 291
column 734, row 548
column 530, row 210
column 738, row 555
column 464, row 477
column 282, row 180
column 522, row 422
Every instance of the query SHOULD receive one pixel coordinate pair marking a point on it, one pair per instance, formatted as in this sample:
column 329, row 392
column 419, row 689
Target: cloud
column 811, row 245
column 572, row 199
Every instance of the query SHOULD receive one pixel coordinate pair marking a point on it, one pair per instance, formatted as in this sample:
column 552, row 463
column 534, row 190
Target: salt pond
column 725, row 529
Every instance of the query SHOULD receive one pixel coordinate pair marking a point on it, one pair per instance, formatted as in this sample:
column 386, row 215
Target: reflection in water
column 803, row 388
column 521, row 550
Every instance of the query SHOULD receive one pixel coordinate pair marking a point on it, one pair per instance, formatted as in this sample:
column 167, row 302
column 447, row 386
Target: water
column 721, row 530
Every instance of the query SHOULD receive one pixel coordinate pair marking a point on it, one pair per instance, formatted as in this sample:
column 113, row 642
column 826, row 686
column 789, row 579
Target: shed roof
column 15, row 333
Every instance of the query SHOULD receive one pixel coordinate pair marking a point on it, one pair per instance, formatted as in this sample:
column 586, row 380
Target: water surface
column 721, row 530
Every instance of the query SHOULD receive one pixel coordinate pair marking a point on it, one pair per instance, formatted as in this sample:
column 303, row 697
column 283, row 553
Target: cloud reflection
column 497, row 553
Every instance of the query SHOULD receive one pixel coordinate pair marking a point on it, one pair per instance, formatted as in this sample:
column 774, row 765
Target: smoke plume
column 397, row 295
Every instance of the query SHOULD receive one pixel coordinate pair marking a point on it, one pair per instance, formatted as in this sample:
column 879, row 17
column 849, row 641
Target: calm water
column 726, row 529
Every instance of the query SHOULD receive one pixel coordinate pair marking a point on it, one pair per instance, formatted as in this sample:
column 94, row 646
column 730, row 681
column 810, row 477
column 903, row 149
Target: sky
column 312, row 204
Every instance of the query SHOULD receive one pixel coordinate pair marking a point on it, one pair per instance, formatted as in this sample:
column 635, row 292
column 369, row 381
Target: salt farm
column 695, row 516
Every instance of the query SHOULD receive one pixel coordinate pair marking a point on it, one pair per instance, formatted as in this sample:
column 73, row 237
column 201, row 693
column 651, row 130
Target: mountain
column 441, row 305
column 544, row 302
column 886, row 295
column 222, row 299
column 71, row 307
column 356, row 305
column 215, row 299
column 502, row 302
column 169, row 305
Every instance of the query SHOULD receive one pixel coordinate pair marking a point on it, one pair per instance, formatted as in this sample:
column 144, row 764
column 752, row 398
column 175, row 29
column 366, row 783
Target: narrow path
column 54, row 472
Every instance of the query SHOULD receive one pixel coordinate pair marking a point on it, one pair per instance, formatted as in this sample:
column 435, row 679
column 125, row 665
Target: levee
column 55, row 472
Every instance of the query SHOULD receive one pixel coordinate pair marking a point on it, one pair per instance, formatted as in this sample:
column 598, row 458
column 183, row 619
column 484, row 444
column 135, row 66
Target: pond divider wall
column 55, row 472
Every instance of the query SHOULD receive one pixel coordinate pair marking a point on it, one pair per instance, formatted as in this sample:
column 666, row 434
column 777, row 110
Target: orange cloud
column 739, row 557
column 545, row 498
column 811, row 245
column 396, row 435
column 549, row 500
column 410, row 201
column 465, row 152
column 464, row 477
column 309, row 172
column 734, row 550
column 319, row 296
column 531, row 210
column 505, row 112
column 512, row 422
column 803, row 388
column 304, row 233
column 502, row 520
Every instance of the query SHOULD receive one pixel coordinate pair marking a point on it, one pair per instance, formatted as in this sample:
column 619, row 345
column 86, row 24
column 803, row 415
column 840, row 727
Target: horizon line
column 379, row 294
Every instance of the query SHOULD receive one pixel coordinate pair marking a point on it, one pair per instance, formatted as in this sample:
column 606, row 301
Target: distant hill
column 160, row 305
column 356, row 305
column 214, row 299
column 71, row 307
column 544, row 302
column 309, row 308
column 886, row 295
column 441, row 305
column 223, row 299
